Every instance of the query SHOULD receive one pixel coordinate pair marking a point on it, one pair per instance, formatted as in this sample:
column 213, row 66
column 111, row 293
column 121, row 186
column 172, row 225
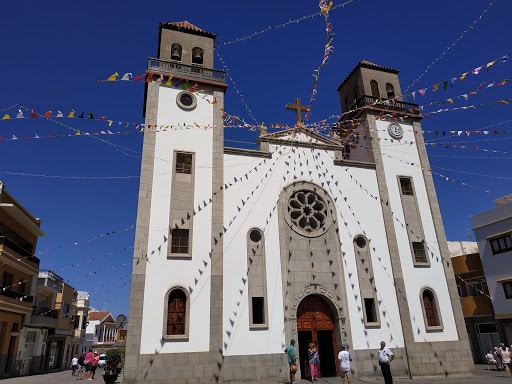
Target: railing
column 48, row 312
column 50, row 276
column 26, row 254
column 377, row 102
column 177, row 68
column 16, row 295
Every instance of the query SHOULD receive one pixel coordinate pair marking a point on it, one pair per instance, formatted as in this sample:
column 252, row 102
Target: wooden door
column 314, row 316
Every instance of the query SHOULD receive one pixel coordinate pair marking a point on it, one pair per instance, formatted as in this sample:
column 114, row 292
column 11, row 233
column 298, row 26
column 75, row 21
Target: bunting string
column 447, row 49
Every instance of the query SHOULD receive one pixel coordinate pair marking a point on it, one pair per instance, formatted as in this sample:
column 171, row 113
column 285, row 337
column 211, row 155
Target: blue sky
column 84, row 188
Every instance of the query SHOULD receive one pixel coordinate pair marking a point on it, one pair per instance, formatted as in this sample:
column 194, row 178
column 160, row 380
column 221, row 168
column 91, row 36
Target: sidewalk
column 480, row 376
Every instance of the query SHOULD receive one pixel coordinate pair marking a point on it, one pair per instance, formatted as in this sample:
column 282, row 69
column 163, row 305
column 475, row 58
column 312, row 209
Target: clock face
column 396, row 131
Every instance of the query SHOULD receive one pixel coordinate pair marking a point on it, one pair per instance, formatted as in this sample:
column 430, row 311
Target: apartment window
column 501, row 244
column 7, row 280
column 507, row 289
column 22, row 286
column 418, row 248
column 406, row 186
column 179, row 241
column 176, row 313
column 183, row 163
column 477, row 288
column 65, row 310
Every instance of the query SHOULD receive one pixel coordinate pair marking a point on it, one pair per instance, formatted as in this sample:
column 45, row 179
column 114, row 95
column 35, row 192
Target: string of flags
column 325, row 6
column 461, row 77
column 447, row 49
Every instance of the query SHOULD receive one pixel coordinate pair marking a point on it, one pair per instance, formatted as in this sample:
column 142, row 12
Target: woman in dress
column 314, row 361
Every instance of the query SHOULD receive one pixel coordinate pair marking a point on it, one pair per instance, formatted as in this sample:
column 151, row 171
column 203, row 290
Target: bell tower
column 182, row 169
column 380, row 131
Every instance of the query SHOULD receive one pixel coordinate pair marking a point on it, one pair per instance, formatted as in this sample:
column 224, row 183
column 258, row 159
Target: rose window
column 308, row 212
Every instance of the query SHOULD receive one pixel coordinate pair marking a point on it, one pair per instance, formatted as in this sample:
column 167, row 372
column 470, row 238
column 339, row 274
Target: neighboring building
column 101, row 330
column 308, row 238
column 63, row 343
column 34, row 335
column 82, row 311
column 493, row 233
column 474, row 298
column 19, row 269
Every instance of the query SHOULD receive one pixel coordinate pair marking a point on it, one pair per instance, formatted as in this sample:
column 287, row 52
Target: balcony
column 385, row 105
column 26, row 254
column 44, row 317
column 20, row 296
column 476, row 306
column 185, row 70
column 50, row 282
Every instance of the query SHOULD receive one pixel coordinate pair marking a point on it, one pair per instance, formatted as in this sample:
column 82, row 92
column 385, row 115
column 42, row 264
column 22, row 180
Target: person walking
column 81, row 367
column 292, row 360
column 89, row 357
column 385, row 359
column 505, row 355
column 74, row 365
column 314, row 361
column 344, row 358
column 95, row 361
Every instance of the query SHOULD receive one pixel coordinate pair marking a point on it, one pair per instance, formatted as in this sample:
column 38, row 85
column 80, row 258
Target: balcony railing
column 480, row 305
column 26, row 254
column 186, row 70
column 48, row 312
column 16, row 295
column 386, row 104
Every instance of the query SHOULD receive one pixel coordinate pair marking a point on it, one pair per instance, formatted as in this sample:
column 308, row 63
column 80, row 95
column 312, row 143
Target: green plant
column 114, row 358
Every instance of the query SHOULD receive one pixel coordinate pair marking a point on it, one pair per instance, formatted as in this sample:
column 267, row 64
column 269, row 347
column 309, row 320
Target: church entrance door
column 315, row 323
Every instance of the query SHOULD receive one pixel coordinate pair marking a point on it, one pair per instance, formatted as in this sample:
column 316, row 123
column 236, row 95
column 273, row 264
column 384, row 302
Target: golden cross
column 298, row 109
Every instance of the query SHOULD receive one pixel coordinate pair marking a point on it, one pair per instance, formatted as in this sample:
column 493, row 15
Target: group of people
column 84, row 367
column 502, row 357
column 344, row 358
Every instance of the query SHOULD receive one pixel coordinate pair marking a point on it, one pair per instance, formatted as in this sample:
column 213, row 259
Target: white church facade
column 332, row 240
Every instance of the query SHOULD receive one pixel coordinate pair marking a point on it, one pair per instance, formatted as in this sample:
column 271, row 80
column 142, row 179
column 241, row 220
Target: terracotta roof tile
column 187, row 27
column 97, row 315
column 370, row 65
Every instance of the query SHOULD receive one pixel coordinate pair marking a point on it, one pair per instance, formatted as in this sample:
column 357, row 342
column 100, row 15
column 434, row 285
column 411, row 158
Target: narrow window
column 369, row 307
column 176, row 312
column 257, row 280
column 7, row 280
column 418, row 248
column 258, row 310
column 356, row 94
column 429, row 306
column 406, row 186
column 375, row 88
column 179, row 242
column 65, row 310
column 183, row 163
column 390, row 91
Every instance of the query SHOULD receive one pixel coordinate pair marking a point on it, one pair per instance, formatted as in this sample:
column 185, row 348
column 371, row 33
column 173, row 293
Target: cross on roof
column 298, row 109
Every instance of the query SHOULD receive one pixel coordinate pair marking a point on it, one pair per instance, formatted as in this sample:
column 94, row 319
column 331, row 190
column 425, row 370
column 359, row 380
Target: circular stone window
column 307, row 213
column 255, row 235
column 361, row 241
column 186, row 100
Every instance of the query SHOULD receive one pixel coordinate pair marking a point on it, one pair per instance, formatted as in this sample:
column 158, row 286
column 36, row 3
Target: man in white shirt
column 74, row 365
column 344, row 359
column 385, row 359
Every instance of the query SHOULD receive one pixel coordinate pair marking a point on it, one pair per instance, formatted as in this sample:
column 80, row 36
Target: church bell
column 175, row 53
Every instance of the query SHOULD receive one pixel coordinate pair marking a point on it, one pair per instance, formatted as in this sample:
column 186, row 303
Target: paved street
column 480, row 376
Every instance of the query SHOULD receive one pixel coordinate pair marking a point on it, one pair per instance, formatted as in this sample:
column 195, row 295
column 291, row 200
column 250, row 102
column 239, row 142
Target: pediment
column 297, row 136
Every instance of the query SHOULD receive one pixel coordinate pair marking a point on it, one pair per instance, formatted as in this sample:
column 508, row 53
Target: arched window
column 177, row 314
column 390, row 91
column 375, row 88
column 356, row 94
column 197, row 55
column 431, row 310
column 176, row 52
column 367, row 288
